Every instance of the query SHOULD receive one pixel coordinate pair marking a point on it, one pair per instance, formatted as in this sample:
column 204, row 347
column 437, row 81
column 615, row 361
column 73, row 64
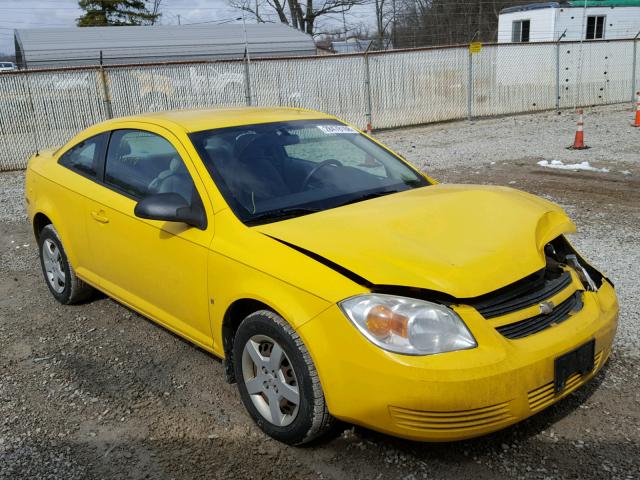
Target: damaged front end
column 541, row 300
column 544, row 299
column 562, row 251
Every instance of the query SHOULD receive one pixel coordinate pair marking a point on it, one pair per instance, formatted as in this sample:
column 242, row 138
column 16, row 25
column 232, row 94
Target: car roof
column 208, row 119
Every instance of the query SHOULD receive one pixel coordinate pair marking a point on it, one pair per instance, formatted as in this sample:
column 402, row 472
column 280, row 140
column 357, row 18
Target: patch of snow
column 571, row 166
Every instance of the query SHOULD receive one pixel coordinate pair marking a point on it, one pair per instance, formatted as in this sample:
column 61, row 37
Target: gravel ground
column 522, row 138
column 96, row 391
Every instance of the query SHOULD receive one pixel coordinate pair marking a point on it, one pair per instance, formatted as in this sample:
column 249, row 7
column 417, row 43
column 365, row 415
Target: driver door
column 159, row 268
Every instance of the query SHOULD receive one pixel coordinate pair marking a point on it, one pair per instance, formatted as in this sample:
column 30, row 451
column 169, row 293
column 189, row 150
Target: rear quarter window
column 83, row 157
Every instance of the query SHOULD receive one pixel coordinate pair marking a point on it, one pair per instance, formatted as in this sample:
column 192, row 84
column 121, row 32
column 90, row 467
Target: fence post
column 34, row 125
column 247, row 81
column 634, row 65
column 106, row 94
column 558, row 69
column 470, row 85
column 367, row 85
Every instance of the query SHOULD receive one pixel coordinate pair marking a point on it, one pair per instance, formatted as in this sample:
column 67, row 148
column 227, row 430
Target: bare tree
column 385, row 17
column 440, row 22
column 300, row 14
column 154, row 8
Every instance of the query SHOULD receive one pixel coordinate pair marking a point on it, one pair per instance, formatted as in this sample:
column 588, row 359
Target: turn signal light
column 382, row 322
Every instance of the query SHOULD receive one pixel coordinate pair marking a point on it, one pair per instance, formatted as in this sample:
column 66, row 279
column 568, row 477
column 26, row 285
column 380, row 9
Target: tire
column 299, row 423
column 63, row 283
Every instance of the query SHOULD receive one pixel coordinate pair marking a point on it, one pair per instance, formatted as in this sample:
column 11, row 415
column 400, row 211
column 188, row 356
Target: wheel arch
column 235, row 313
column 44, row 216
column 40, row 220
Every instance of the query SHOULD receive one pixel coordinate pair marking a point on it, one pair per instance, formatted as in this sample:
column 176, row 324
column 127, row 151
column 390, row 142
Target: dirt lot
column 96, row 391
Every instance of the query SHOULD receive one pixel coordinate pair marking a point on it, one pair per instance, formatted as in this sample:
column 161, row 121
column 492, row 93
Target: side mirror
column 170, row 207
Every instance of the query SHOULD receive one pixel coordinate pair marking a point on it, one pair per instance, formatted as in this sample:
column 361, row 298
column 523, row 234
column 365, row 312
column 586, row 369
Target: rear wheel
column 58, row 273
column 277, row 380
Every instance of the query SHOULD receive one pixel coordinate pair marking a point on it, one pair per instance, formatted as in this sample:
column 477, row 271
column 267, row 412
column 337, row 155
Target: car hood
column 462, row 240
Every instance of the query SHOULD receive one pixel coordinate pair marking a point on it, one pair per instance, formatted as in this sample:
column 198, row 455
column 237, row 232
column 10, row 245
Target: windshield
column 272, row 171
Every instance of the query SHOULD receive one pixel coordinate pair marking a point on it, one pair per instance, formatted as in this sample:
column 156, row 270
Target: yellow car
column 335, row 280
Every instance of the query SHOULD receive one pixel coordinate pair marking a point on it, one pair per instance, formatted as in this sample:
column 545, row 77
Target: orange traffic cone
column 636, row 123
column 578, row 143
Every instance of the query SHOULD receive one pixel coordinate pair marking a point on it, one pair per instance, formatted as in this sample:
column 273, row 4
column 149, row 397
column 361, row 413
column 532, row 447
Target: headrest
column 124, row 148
column 175, row 164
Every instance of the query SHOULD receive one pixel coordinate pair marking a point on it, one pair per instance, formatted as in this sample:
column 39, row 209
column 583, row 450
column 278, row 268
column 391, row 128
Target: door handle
column 99, row 218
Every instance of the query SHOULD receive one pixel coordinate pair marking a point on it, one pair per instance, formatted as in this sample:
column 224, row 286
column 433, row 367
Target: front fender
column 231, row 280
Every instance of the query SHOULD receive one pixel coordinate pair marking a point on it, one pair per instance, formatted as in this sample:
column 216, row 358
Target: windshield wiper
column 280, row 214
column 368, row 196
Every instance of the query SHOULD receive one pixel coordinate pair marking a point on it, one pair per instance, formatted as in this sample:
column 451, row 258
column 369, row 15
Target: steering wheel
column 315, row 169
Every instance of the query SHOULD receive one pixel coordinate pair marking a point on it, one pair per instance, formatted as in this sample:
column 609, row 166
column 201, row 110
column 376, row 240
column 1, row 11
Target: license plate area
column 580, row 360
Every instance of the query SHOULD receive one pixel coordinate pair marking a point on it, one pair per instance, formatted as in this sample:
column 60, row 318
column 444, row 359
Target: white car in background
column 7, row 67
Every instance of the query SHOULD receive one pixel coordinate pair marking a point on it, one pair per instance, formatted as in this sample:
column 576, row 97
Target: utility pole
column 246, row 41
column 247, row 68
column 344, row 25
column 178, row 19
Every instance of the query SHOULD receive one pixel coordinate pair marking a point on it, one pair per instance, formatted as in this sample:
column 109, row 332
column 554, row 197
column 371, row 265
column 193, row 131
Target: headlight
column 407, row 325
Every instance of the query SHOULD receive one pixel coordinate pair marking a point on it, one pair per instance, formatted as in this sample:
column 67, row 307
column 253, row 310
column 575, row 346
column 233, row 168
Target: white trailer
column 569, row 21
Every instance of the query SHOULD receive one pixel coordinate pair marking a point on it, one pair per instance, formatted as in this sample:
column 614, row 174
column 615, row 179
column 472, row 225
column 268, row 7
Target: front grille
column 545, row 395
column 538, row 323
column 521, row 294
column 426, row 421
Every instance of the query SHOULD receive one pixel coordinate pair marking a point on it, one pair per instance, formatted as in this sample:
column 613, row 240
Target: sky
column 62, row 13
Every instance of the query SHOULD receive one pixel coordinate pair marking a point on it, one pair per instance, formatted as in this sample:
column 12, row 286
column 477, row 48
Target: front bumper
column 457, row 395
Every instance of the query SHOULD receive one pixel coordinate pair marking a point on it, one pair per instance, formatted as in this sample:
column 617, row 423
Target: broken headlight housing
column 560, row 250
column 407, row 325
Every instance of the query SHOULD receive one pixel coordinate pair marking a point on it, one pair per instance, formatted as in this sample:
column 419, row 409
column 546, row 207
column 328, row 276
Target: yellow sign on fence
column 475, row 47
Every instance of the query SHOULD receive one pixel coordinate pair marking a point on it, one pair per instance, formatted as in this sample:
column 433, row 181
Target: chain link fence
column 42, row 109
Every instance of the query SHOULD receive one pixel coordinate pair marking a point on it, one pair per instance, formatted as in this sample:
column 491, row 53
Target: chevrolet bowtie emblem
column 546, row 307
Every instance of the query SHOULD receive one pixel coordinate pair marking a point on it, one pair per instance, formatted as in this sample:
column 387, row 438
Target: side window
column 142, row 163
column 595, row 27
column 83, row 157
column 520, row 31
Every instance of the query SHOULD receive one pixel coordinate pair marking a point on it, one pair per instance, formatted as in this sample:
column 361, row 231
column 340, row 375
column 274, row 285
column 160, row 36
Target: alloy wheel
column 270, row 380
column 54, row 270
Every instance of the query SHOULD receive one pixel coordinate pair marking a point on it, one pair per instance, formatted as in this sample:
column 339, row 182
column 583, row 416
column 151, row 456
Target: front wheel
column 277, row 380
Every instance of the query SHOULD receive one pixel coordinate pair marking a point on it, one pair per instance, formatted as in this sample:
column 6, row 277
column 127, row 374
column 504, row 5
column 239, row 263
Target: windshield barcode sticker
column 336, row 129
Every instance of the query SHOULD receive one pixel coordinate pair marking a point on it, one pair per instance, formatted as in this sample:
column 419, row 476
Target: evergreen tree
column 115, row 12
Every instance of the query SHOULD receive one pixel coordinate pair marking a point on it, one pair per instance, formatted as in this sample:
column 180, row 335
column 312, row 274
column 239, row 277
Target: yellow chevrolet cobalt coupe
column 335, row 280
